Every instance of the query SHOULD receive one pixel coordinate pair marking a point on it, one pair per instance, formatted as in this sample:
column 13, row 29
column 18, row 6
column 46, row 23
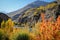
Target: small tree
column 3, row 24
column 9, row 23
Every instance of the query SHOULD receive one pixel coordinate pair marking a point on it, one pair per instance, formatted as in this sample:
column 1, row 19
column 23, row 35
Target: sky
column 13, row 5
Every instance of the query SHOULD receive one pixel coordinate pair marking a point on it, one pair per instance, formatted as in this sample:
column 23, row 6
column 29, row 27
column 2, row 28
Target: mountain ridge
column 31, row 5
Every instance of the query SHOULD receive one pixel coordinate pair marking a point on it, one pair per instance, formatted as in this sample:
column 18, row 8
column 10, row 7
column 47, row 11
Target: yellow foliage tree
column 3, row 24
column 9, row 23
column 7, row 26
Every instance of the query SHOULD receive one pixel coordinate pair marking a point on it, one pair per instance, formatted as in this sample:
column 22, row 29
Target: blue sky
column 12, row 5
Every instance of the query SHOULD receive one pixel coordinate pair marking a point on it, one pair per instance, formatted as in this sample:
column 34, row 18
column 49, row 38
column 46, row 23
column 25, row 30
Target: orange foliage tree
column 48, row 29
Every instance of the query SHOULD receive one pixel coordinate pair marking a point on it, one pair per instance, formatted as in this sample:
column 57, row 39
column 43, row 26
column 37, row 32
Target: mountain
column 14, row 15
column 3, row 17
column 31, row 14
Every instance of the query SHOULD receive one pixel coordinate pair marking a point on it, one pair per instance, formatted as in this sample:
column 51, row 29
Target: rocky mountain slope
column 31, row 14
column 14, row 15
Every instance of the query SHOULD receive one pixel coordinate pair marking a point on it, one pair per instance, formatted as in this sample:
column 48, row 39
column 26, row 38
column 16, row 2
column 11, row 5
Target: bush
column 23, row 37
column 1, row 35
column 6, row 38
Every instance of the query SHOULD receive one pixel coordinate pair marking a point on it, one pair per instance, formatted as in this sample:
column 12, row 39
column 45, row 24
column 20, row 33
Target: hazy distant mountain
column 14, row 15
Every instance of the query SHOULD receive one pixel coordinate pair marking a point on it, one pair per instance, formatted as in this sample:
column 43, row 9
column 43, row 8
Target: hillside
column 31, row 14
column 15, row 14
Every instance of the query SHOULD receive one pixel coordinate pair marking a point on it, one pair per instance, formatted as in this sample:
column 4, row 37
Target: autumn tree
column 3, row 24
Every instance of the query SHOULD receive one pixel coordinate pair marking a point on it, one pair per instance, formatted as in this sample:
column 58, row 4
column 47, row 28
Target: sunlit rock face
column 58, row 1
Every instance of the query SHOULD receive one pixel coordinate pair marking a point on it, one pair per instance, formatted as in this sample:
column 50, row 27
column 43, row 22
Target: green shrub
column 23, row 37
column 1, row 35
column 6, row 38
